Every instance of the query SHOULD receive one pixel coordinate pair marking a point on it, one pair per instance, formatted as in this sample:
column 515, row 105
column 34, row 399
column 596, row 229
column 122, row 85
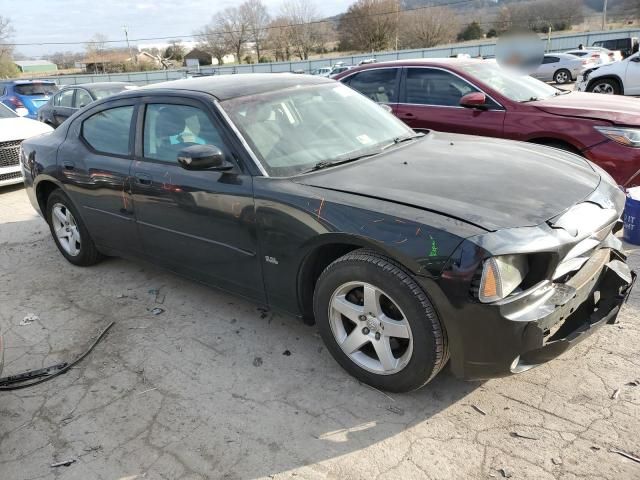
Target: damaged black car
column 407, row 250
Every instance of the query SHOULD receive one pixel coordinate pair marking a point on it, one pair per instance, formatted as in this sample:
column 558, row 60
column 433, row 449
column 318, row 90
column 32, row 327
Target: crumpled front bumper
column 568, row 313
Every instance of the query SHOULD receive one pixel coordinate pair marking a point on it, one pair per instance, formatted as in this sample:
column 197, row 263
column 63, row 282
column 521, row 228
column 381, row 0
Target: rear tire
column 562, row 76
column 378, row 323
column 607, row 86
column 69, row 231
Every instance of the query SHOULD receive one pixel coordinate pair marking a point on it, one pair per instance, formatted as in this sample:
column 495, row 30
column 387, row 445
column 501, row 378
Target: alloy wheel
column 605, row 88
column 66, row 229
column 561, row 77
column 370, row 328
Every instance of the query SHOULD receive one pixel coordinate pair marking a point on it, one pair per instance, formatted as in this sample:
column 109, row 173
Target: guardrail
column 484, row 48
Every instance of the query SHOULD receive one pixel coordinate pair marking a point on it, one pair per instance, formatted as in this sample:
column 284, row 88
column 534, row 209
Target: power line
column 193, row 35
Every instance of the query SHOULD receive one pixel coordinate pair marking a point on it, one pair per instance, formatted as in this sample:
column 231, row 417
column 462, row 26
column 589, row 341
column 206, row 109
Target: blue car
column 25, row 97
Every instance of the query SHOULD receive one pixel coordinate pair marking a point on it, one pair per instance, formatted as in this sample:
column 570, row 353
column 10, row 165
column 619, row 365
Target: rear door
column 430, row 99
column 63, row 106
column 632, row 77
column 95, row 162
column 379, row 84
column 197, row 222
column 547, row 68
column 82, row 98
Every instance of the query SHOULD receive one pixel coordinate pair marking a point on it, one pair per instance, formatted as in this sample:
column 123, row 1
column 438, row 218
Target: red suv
column 478, row 97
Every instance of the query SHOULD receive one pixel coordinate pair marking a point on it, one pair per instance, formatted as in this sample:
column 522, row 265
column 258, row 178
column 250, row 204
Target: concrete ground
column 214, row 388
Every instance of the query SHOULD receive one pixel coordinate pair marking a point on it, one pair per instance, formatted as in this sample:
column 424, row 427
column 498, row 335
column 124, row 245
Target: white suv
column 617, row 78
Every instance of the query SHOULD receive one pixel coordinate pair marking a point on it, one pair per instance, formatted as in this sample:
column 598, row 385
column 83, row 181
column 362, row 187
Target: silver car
column 559, row 68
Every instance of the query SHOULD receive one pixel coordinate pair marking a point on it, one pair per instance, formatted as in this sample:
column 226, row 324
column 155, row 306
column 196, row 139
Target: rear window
column 6, row 112
column 108, row 131
column 32, row 89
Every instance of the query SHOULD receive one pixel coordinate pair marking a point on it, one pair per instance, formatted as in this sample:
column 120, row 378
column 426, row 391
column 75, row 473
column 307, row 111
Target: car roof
column 99, row 85
column 23, row 82
column 225, row 87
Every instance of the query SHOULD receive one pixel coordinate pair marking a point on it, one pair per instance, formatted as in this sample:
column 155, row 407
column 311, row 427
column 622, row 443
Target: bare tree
column 278, row 38
column 540, row 15
column 368, row 25
column 7, row 67
column 304, row 28
column 256, row 17
column 233, row 26
column 213, row 43
column 427, row 28
column 96, row 49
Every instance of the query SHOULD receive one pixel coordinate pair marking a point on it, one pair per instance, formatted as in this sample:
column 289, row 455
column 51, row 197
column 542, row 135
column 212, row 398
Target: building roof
column 224, row 87
column 33, row 63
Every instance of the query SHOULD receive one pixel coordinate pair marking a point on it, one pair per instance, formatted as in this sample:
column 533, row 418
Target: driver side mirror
column 385, row 107
column 635, row 59
column 474, row 100
column 203, row 157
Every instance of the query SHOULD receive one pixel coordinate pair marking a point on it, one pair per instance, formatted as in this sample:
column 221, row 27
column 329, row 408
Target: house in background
column 35, row 66
column 197, row 58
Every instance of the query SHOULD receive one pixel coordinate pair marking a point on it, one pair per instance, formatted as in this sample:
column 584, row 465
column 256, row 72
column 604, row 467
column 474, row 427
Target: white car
column 13, row 130
column 559, row 68
column 616, row 78
column 596, row 57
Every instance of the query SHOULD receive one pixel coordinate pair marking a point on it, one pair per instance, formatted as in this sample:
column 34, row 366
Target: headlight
column 625, row 136
column 502, row 275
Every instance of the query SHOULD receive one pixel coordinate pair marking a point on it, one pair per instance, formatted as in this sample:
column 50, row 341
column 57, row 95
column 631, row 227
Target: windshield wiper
column 324, row 164
column 531, row 99
column 403, row 138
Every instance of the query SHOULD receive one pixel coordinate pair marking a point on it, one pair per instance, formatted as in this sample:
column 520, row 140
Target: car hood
column 19, row 128
column 611, row 108
column 487, row 182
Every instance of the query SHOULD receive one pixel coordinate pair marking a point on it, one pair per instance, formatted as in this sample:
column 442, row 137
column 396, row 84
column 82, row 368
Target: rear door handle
column 143, row 179
column 408, row 115
column 69, row 165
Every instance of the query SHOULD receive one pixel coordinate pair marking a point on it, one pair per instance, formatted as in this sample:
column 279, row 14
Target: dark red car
column 478, row 97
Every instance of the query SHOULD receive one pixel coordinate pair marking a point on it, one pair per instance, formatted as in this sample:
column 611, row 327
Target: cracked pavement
column 204, row 389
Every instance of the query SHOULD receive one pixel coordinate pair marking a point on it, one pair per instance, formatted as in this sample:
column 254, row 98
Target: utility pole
column 126, row 36
column 397, row 21
column 604, row 15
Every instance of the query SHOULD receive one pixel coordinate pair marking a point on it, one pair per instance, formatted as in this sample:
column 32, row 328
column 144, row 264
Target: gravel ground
column 214, row 388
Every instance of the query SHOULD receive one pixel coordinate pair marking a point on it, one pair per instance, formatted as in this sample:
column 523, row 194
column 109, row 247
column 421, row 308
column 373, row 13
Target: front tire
column 378, row 323
column 69, row 231
column 607, row 86
column 562, row 76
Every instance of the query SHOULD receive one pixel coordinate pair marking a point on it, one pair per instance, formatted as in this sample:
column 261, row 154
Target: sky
column 37, row 21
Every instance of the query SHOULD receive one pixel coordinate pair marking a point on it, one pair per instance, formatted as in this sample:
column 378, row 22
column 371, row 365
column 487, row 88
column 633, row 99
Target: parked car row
column 409, row 250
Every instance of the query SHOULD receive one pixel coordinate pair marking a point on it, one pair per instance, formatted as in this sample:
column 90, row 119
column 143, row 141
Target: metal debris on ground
column 121, row 295
column 29, row 319
column 66, row 463
column 287, row 353
column 625, row 454
column 556, row 461
column 506, row 473
column 478, row 409
column 615, row 394
column 149, row 390
column 520, row 435
column 157, row 310
column 396, row 410
column 257, row 361
column 633, row 383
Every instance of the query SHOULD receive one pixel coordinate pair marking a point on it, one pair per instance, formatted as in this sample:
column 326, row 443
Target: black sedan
column 407, row 250
column 72, row 98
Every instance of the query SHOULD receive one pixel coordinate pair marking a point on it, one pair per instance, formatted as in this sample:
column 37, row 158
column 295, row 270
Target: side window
column 622, row 44
column 65, row 99
column 82, row 98
column 108, row 131
column 379, row 84
column 426, row 86
column 169, row 128
column 547, row 59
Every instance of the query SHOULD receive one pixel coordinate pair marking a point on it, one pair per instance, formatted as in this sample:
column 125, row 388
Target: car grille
column 10, row 176
column 10, row 153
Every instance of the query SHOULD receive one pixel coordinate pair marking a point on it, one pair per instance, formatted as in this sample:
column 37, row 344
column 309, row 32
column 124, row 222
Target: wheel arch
column 323, row 251
column 43, row 189
column 609, row 76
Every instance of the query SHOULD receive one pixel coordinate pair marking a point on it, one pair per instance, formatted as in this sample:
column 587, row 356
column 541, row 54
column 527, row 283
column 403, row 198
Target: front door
column 200, row 223
column 430, row 100
column 632, row 76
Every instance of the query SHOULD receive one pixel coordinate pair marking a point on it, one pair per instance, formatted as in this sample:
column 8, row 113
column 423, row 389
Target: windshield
column 292, row 130
column 31, row 89
column 519, row 88
column 6, row 112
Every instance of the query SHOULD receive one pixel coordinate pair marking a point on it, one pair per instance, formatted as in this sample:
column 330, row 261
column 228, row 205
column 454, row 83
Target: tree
column 471, row 32
column 213, row 43
column 233, row 26
column 256, row 17
column 427, row 28
column 540, row 15
column 279, row 39
column 95, row 48
column 175, row 51
column 368, row 25
column 7, row 67
column 304, row 29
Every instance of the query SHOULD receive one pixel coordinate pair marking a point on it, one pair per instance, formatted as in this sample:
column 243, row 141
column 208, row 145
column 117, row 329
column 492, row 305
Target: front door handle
column 143, row 179
column 69, row 165
column 408, row 115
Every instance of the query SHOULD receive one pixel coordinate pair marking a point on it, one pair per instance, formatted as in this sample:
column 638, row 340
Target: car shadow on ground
column 210, row 387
